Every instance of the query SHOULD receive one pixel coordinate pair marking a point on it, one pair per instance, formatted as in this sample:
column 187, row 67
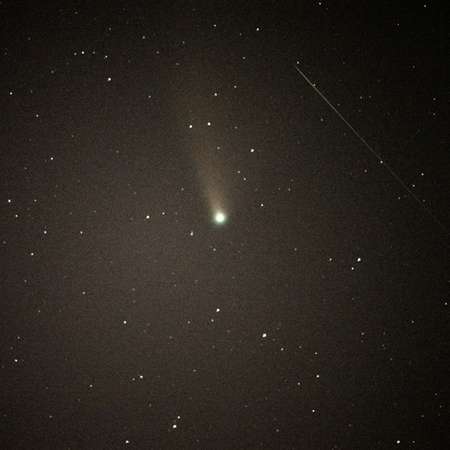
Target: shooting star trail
column 371, row 150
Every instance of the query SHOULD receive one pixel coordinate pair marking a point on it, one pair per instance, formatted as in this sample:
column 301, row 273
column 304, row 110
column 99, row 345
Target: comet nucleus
column 220, row 217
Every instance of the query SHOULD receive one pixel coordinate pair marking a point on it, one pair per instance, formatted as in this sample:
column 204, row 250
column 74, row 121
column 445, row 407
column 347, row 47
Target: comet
column 220, row 217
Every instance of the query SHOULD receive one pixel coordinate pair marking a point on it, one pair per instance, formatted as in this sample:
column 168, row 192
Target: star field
column 196, row 252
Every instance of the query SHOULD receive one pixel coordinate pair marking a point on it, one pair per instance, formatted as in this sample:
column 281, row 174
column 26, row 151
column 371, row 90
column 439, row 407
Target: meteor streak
column 371, row 150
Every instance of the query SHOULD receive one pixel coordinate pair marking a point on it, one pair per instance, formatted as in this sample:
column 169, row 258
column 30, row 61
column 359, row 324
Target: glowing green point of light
column 220, row 217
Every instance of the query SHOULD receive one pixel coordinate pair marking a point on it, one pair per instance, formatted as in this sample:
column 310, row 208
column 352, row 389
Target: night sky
column 197, row 252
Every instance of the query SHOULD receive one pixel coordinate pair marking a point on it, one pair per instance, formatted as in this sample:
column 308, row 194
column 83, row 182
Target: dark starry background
column 314, row 318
